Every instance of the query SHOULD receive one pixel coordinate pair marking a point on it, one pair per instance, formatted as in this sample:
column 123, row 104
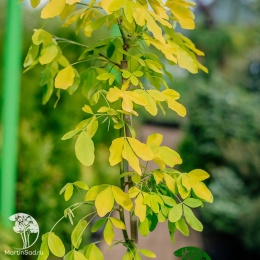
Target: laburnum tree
column 121, row 72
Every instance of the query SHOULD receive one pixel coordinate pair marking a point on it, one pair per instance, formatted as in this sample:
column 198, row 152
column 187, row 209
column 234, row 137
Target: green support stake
column 10, row 109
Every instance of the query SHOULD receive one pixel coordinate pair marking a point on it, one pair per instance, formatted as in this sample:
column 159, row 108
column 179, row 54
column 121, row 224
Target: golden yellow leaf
column 158, row 9
column 150, row 106
column 182, row 190
column 158, row 176
column 53, row 8
column 169, row 156
column 154, row 142
column 186, row 59
column 109, row 233
column 139, row 14
column 182, row 13
column 140, row 208
column 65, row 78
column 41, row 36
column 130, row 156
column 116, row 149
column 71, row 2
column 114, row 94
column 94, row 191
column 198, row 175
column 170, row 182
column 133, row 192
column 129, row 10
column 141, row 150
column 48, row 54
column 104, row 202
column 117, row 223
column 35, row 3
column 154, row 28
column 122, row 198
column 115, row 5
column 202, row 192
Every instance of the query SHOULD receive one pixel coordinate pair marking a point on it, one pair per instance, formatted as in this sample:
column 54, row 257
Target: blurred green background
column 221, row 132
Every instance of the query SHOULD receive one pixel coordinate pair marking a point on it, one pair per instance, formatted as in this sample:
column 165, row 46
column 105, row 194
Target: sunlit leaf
column 84, row 149
column 182, row 227
column 76, row 235
column 94, row 191
column 140, row 208
column 55, row 245
column 198, row 175
column 109, row 233
column 104, row 202
column 116, row 150
column 68, row 191
column 53, row 8
column 202, row 192
column 175, row 213
column 81, row 185
column 117, row 223
column 44, row 248
column 122, row 198
column 193, row 203
column 147, row 253
column 48, row 54
column 191, row 219
column 65, row 78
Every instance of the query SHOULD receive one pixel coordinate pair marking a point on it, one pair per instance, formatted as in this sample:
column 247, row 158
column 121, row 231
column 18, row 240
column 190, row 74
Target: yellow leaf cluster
column 105, row 197
column 192, row 183
column 128, row 98
column 162, row 154
column 129, row 149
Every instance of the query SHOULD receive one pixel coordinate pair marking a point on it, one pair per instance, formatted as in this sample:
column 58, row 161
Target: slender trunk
column 128, row 119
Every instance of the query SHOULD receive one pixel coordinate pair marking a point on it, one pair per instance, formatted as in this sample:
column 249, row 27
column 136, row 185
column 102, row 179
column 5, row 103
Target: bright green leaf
column 143, row 227
column 44, row 248
column 76, row 235
column 55, row 245
column 193, row 203
column 84, row 149
column 191, row 219
column 48, row 53
column 182, row 227
column 70, row 134
column 109, row 233
column 147, row 253
column 68, row 191
column 81, row 185
column 98, row 224
column 175, row 213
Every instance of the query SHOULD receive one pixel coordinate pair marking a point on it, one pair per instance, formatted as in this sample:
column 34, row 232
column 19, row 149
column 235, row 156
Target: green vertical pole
column 10, row 108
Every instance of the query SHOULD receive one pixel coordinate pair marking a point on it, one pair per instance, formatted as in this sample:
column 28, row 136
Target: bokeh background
column 220, row 134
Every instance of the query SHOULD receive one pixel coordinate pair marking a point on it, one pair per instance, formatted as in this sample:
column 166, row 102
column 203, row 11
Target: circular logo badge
column 27, row 227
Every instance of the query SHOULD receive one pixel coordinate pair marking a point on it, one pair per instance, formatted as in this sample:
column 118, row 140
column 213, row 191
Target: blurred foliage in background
column 222, row 130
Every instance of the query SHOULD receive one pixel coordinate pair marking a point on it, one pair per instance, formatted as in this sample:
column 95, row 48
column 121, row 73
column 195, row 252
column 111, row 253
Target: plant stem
column 128, row 120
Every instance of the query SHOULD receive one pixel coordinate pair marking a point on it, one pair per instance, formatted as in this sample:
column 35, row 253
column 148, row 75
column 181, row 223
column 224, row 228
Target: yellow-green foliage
column 122, row 72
